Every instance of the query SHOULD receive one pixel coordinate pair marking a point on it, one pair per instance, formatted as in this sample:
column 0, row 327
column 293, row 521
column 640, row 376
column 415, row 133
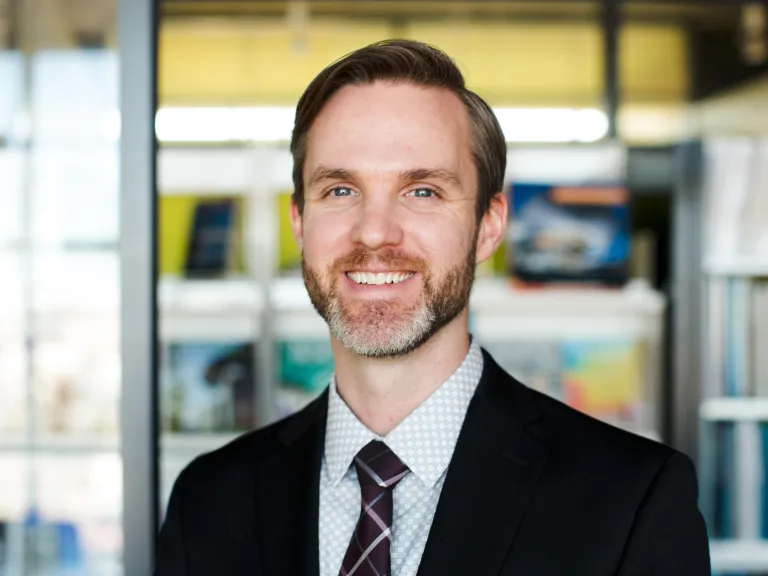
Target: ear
column 296, row 224
column 493, row 228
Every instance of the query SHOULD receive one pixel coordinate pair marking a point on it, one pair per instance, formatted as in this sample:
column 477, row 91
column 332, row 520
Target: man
column 423, row 456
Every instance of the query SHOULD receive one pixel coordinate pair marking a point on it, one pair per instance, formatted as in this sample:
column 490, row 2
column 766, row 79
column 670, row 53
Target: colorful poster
column 571, row 234
column 603, row 378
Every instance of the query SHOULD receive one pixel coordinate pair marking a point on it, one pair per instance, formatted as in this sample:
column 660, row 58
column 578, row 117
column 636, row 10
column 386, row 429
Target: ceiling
column 66, row 22
column 695, row 13
column 56, row 23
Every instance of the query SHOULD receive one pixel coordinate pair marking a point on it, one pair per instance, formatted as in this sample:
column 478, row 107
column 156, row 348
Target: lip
column 379, row 271
column 375, row 290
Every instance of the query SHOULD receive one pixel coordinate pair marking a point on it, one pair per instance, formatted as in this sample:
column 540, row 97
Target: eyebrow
column 323, row 173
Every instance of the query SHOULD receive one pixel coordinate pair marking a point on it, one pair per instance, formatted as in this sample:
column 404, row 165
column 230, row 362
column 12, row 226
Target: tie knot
column 377, row 464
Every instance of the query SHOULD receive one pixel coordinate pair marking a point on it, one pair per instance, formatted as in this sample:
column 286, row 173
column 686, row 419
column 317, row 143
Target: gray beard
column 381, row 329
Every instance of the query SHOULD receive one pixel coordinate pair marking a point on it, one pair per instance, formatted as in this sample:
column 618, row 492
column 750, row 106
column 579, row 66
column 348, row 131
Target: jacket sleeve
column 669, row 536
column 171, row 557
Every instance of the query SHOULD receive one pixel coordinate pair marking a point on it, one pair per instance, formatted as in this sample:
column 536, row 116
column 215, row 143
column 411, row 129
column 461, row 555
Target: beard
column 390, row 328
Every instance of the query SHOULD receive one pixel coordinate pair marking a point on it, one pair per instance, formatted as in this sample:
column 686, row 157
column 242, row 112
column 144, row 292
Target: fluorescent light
column 275, row 124
column 258, row 124
column 552, row 124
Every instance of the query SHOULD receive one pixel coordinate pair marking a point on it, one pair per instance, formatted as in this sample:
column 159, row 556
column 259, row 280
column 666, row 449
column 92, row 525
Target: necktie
column 378, row 470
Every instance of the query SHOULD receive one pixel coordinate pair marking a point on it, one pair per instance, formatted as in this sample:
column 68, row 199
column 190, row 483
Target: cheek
column 442, row 242
column 324, row 238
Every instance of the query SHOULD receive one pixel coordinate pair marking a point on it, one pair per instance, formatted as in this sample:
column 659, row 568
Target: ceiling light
column 275, row 124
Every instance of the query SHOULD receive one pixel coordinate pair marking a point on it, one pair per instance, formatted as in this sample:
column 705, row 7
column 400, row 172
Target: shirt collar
column 424, row 441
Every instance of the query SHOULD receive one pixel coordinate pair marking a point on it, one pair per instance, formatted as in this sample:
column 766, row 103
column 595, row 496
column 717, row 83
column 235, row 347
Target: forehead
column 386, row 126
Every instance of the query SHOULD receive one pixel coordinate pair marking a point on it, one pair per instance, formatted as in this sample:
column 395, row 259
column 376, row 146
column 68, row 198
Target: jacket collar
column 499, row 457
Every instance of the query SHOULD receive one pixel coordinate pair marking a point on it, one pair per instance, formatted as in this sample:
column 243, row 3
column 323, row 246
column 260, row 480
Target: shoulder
column 608, row 465
column 578, row 444
column 592, row 441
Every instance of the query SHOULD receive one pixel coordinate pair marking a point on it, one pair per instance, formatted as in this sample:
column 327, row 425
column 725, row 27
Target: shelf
column 253, row 169
column 223, row 171
column 224, row 309
column 193, row 443
column 489, row 296
column 206, row 296
column 739, row 556
column 739, row 266
column 48, row 444
column 231, row 308
column 171, row 444
column 734, row 409
column 495, row 296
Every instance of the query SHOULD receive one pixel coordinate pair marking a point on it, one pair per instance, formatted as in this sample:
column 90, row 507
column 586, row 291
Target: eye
column 340, row 191
column 422, row 192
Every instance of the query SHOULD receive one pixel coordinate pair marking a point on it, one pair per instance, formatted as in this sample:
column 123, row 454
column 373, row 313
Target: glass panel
column 61, row 480
column 75, row 527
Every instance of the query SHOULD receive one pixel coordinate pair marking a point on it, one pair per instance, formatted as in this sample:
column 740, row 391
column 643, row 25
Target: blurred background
column 151, row 306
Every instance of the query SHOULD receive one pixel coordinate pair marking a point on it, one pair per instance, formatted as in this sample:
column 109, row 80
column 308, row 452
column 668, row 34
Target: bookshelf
column 263, row 304
column 733, row 447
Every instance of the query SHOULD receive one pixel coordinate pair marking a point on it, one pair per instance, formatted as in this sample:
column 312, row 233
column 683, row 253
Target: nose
column 378, row 225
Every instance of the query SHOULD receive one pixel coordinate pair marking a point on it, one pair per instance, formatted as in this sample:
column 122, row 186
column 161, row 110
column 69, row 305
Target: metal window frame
column 137, row 49
column 687, row 300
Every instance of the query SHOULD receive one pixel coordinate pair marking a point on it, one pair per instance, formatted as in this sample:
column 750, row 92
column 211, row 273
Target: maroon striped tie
column 378, row 470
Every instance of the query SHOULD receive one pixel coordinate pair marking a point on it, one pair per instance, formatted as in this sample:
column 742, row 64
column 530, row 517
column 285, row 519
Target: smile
column 378, row 278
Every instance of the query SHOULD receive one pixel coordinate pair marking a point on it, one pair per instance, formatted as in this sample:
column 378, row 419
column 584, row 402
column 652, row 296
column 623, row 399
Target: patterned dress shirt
column 424, row 441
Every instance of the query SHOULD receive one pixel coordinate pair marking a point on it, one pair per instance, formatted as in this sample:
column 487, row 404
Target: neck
column 383, row 392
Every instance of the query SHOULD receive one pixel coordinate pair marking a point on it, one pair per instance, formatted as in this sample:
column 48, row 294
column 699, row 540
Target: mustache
column 391, row 258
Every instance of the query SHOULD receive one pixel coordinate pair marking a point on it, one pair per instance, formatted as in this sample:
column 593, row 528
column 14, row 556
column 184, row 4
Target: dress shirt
column 424, row 441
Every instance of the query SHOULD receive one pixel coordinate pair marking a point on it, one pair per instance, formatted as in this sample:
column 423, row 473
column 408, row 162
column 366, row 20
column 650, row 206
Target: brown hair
column 411, row 62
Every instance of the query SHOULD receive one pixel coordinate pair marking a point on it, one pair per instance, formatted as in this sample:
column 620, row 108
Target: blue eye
column 422, row 193
column 341, row 191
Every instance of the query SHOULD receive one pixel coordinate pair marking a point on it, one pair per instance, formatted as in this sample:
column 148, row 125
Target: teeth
column 378, row 279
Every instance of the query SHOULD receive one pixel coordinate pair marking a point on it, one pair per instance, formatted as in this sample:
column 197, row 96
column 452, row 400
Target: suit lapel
column 493, row 473
column 287, row 496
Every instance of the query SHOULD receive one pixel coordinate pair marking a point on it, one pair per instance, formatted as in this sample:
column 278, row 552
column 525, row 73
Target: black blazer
column 534, row 488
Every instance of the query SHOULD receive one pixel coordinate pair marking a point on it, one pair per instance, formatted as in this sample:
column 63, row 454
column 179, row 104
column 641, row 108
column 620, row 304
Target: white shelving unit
column 190, row 308
column 732, row 186
column 213, row 309
column 273, row 307
column 751, row 267
column 735, row 409
column 739, row 556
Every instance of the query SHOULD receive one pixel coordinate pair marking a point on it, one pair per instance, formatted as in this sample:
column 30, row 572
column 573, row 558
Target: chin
column 382, row 336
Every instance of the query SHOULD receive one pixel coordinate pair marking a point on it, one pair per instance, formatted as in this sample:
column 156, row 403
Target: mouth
column 378, row 278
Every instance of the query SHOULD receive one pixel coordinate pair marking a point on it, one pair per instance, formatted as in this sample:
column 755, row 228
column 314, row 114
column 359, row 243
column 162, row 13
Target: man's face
column 388, row 232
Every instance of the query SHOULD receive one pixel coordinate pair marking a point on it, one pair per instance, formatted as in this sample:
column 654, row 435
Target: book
column 759, row 339
column 754, row 224
column 4, row 548
column 724, row 522
column 212, row 239
column 289, row 254
column 571, row 234
column 306, row 368
column 763, row 501
column 737, row 373
column 208, row 387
